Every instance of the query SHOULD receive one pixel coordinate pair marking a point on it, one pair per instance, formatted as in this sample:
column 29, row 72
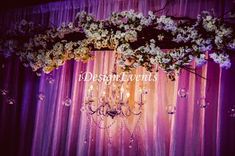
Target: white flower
column 140, row 58
column 167, row 23
column 135, row 65
column 97, row 36
column 200, row 60
column 232, row 44
column 131, row 36
column 93, row 26
column 70, row 25
column 204, row 48
column 59, row 62
column 152, row 41
column 226, row 64
column 139, row 28
column 153, row 60
column 172, row 67
column 222, row 59
column 98, row 45
column 104, row 33
column 128, row 52
column 145, row 21
column 208, row 17
column 218, row 40
column 121, row 62
column 209, row 26
column 152, row 16
column 126, row 27
column 89, row 18
column 160, row 37
column 166, row 60
column 140, row 15
column 23, row 22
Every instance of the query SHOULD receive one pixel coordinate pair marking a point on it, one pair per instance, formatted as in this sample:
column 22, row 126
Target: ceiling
column 10, row 4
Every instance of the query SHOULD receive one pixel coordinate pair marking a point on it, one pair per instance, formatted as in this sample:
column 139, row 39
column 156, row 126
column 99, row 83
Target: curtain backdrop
column 30, row 126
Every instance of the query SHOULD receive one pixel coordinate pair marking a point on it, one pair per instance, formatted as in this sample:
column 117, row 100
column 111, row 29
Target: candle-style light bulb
column 141, row 95
column 122, row 91
column 128, row 94
column 90, row 90
column 104, row 96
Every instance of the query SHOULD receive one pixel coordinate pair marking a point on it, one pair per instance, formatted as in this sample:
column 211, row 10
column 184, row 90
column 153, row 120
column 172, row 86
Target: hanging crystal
column 50, row 79
column 232, row 112
column 67, row 102
column 4, row 92
column 41, row 96
column 202, row 102
column 182, row 92
column 11, row 101
column 171, row 109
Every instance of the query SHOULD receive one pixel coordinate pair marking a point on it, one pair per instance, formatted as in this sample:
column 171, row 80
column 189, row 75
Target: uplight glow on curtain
column 66, row 127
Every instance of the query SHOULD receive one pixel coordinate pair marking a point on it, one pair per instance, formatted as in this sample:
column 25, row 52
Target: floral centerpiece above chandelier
column 139, row 40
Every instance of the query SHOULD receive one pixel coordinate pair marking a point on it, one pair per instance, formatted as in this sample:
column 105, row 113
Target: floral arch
column 138, row 40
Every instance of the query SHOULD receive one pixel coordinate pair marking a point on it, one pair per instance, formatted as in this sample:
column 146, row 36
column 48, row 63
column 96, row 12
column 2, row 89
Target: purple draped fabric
column 30, row 126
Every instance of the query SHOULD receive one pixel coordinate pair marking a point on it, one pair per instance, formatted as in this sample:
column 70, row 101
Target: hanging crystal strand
column 41, row 96
column 126, row 105
column 131, row 140
column 88, row 127
column 50, row 79
column 109, row 135
column 99, row 125
column 4, row 92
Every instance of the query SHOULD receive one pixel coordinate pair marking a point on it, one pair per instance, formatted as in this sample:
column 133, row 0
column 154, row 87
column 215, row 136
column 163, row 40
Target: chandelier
column 113, row 99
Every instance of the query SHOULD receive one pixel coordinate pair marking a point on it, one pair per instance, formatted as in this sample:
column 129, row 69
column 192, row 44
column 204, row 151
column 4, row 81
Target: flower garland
column 139, row 40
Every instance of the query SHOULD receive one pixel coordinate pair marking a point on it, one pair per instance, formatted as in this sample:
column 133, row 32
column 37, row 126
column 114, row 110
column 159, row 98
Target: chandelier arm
column 91, row 110
column 100, row 110
column 104, row 112
column 137, row 113
column 128, row 113
column 104, row 127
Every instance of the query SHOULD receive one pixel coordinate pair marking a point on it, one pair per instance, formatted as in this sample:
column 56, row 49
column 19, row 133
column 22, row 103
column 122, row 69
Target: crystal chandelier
column 113, row 99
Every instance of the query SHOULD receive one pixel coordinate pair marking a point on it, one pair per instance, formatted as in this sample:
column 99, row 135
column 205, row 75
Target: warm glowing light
column 128, row 94
column 122, row 89
column 91, row 88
